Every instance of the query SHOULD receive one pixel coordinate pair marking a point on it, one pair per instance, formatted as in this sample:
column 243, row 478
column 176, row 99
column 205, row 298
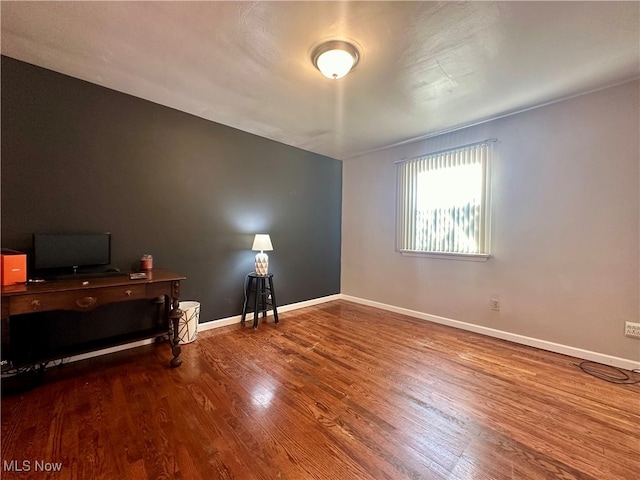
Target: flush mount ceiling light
column 335, row 58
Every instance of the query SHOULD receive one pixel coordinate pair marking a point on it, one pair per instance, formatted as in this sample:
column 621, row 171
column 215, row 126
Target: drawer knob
column 36, row 304
column 128, row 292
column 86, row 302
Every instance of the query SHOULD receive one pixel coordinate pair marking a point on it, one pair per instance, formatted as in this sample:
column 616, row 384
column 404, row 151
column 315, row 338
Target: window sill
column 469, row 257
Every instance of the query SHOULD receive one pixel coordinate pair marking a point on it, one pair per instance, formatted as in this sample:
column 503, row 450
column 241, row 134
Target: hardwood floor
column 336, row 391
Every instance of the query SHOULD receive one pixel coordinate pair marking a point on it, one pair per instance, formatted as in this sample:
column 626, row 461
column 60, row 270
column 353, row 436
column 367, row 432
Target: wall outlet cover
column 632, row 329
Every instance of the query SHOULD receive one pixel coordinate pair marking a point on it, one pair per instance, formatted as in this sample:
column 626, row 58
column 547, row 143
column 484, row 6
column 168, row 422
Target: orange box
column 13, row 267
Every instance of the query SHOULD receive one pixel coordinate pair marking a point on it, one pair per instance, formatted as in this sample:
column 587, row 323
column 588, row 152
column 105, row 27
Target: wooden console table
column 84, row 294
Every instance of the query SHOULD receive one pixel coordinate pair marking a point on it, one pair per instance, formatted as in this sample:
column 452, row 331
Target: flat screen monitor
column 56, row 250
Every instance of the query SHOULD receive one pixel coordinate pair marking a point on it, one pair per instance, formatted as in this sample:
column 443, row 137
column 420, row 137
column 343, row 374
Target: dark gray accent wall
column 80, row 157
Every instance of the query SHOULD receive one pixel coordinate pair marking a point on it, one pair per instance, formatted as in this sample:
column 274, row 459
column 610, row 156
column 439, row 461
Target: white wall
column 565, row 259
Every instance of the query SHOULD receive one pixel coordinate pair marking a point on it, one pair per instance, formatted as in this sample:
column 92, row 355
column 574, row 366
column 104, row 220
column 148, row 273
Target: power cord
column 608, row 373
column 11, row 371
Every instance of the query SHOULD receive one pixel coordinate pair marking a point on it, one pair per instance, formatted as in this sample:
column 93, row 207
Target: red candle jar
column 146, row 262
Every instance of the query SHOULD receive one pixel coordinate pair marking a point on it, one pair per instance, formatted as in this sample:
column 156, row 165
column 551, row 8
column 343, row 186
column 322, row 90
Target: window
column 443, row 202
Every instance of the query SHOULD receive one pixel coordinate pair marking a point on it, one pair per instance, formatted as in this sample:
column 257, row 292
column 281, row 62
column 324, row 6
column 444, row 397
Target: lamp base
column 262, row 264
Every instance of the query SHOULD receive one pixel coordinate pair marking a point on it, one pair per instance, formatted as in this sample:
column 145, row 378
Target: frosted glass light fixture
column 262, row 242
column 335, row 58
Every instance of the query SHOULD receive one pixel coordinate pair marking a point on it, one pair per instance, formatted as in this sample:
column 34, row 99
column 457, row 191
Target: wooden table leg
column 174, row 318
column 6, row 338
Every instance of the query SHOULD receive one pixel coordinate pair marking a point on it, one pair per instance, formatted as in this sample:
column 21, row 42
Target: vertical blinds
column 442, row 201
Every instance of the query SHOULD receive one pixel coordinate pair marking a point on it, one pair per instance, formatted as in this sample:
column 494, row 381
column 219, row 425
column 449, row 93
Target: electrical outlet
column 632, row 329
column 495, row 304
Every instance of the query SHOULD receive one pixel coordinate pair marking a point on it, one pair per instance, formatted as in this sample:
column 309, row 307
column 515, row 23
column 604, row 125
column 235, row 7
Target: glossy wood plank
column 335, row 391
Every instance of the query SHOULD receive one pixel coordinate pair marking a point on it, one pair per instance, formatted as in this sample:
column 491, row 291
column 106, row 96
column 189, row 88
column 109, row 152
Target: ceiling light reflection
column 262, row 396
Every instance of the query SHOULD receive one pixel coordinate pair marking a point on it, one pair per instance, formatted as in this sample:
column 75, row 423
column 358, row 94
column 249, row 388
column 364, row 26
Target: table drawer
column 84, row 299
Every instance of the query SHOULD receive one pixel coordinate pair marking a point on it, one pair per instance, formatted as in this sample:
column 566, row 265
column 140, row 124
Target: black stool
column 264, row 297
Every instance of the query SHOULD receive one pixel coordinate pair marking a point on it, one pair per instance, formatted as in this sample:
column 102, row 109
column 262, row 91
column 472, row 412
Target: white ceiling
column 426, row 67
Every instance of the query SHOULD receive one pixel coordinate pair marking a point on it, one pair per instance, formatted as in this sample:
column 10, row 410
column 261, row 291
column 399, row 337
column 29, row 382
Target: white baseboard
column 223, row 322
column 512, row 337
column 107, row 351
column 203, row 327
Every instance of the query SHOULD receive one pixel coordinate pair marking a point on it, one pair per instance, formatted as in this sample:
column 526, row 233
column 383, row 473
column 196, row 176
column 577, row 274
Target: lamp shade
column 335, row 63
column 262, row 242
column 335, row 59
